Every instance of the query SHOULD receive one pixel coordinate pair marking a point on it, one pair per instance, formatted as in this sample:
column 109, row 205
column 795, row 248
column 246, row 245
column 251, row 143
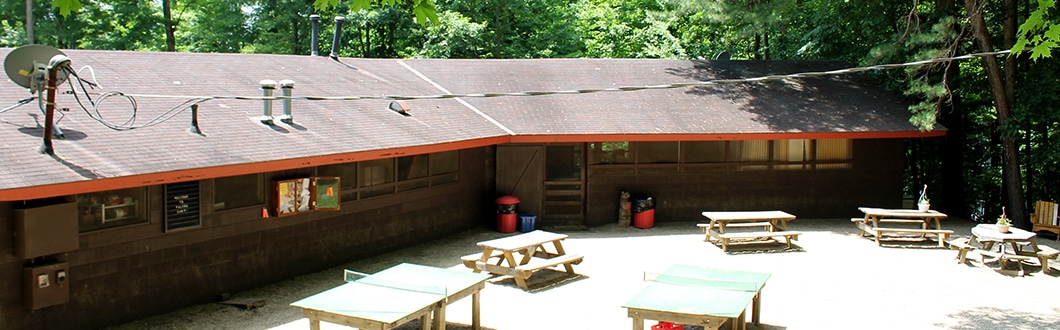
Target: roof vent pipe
column 338, row 36
column 316, row 34
column 194, row 129
column 267, row 86
column 286, row 86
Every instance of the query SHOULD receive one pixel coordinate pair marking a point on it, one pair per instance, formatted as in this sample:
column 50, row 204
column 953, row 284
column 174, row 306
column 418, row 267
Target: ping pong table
column 696, row 295
column 394, row 296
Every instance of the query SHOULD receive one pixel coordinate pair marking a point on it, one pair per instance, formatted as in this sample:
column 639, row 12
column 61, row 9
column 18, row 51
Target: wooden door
column 564, row 184
column 520, row 173
column 549, row 181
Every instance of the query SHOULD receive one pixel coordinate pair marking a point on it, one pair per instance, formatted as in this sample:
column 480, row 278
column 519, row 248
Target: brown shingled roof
column 93, row 157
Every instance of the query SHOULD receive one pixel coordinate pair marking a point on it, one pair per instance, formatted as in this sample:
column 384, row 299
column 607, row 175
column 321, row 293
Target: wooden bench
column 962, row 247
column 941, row 233
column 524, row 272
column 767, row 225
column 861, row 222
column 1002, row 258
column 706, row 227
column 915, row 221
column 1044, row 254
column 470, row 260
column 726, row 237
column 568, row 261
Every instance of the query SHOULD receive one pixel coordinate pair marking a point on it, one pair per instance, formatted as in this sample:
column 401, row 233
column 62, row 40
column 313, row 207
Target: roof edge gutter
column 133, row 181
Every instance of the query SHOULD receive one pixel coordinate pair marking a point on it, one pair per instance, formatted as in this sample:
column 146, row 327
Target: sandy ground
column 831, row 279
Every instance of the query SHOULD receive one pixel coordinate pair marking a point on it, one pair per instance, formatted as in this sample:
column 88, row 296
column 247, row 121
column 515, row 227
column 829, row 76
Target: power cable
column 587, row 91
column 93, row 109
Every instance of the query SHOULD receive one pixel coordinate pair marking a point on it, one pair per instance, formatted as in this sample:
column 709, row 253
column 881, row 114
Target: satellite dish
column 27, row 65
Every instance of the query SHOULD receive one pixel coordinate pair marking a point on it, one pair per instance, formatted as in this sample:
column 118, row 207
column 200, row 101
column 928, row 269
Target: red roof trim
column 79, row 187
column 724, row 137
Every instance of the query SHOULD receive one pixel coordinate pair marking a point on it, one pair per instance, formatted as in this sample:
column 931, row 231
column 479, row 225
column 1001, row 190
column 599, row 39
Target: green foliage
column 1038, row 31
column 454, row 37
column 423, row 10
column 66, row 6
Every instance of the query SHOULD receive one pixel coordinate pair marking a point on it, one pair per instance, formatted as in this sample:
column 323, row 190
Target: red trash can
column 506, row 216
column 644, row 220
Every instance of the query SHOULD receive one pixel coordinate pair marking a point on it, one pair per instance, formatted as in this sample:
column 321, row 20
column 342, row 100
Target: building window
column 704, row 151
column 563, row 163
column 445, row 167
column 718, row 156
column 238, row 191
column 657, row 153
column 111, row 209
column 834, row 153
column 791, row 154
column 412, row 172
column 374, row 175
column 753, row 151
column 380, row 177
column 604, row 153
column 347, row 174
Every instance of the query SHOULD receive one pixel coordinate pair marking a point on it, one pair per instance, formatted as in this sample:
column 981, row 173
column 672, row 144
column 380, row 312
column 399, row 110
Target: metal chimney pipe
column 286, row 86
column 194, row 129
column 316, row 34
column 338, row 36
column 267, row 86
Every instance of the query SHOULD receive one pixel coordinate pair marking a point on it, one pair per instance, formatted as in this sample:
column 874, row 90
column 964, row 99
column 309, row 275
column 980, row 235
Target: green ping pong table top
column 708, row 298
column 719, row 274
column 387, row 304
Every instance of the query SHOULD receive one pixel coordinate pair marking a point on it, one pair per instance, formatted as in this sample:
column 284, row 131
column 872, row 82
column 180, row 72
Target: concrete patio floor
column 831, row 279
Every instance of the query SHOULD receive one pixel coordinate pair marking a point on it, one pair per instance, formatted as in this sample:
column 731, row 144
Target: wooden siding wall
column 123, row 274
column 875, row 179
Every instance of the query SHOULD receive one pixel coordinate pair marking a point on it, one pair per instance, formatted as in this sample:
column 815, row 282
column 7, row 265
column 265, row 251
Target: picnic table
column 878, row 221
column 499, row 255
column 1016, row 245
column 393, row 297
column 699, row 296
column 773, row 224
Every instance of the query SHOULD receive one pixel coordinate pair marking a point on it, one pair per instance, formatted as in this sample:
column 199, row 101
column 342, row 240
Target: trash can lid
column 507, row 200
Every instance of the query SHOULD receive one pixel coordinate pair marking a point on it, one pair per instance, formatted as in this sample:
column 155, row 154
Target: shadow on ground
column 986, row 318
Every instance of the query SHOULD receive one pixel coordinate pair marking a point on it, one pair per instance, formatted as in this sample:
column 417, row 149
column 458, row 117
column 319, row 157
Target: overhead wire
column 587, row 91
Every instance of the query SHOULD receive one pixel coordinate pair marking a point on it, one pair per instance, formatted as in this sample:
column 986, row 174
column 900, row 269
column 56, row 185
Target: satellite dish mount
column 38, row 68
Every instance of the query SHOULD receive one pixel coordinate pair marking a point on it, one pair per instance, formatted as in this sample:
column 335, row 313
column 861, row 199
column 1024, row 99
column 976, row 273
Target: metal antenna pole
column 57, row 62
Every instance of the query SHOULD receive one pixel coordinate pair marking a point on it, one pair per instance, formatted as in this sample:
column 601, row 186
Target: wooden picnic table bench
column 929, row 222
column 769, row 221
column 1022, row 245
column 532, row 251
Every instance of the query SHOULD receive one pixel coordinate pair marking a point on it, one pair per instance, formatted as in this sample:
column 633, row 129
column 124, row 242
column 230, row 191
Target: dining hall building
column 171, row 178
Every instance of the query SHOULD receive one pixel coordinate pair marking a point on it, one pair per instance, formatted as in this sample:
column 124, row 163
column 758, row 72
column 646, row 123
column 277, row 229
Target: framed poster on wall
column 292, row 196
column 325, row 191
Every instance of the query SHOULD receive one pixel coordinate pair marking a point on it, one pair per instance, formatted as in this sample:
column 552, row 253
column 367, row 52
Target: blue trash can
column 526, row 222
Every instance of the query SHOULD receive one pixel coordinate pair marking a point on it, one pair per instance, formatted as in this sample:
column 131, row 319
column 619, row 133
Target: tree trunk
column 1011, row 179
column 169, row 25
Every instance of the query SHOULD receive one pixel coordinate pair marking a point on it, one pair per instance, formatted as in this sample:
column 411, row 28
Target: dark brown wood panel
column 874, row 179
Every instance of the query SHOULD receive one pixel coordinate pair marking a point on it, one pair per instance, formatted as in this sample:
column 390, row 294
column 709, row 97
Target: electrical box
column 47, row 285
column 45, row 230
